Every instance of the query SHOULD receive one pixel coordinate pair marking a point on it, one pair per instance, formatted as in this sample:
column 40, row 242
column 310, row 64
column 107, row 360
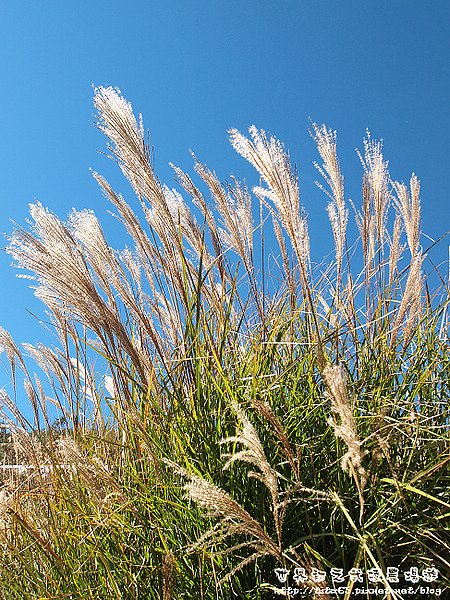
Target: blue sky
column 195, row 69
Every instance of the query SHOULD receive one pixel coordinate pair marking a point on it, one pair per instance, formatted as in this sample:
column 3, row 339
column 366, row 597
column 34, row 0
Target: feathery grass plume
column 253, row 454
column 51, row 244
column 331, row 172
column 348, row 304
column 266, row 411
column 109, row 272
column 30, row 452
column 376, row 187
column 234, row 206
column 234, row 519
column 272, row 162
column 408, row 205
column 36, row 398
column 396, row 249
column 117, row 121
column 270, row 159
column 143, row 245
column 66, row 283
column 410, row 305
column 365, row 221
column 346, row 429
column 285, row 257
column 48, row 360
column 200, row 202
column 10, row 412
column 62, row 376
column 148, row 259
column 91, row 469
column 187, row 224
column 12, row 352
column 84, row 375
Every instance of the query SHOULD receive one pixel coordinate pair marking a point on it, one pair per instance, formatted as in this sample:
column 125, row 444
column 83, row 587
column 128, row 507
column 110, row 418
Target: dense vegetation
column 218, row 420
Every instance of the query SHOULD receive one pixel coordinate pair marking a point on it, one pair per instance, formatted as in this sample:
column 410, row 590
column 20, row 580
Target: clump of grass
column 329, row 393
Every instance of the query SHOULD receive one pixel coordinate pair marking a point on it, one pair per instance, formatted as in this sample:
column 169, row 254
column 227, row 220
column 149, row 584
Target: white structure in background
column 43, row 469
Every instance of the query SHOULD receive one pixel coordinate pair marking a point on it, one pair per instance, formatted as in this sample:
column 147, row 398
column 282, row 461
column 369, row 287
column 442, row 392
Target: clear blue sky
column 195, row 69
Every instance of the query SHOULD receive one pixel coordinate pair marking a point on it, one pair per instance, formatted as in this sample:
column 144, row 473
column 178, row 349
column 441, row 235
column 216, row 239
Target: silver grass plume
column 234, row 206
column 95, row 472
column 233, row 518
column 51, row 253
column 344, row 426
column 68, row 284
column 200, row 202
column 117, row 121
column 376, row 182
column 272, row 162
column 126, row 134
column 396, row 249
column 408, row 206
column 410, row 305
column 186, row 224
column 144, row 247
column 270, row 159
column 102, row 259
column 8, row 346
column 253, row 454
column 331, row 172
column 285, row 258
column 365, row 220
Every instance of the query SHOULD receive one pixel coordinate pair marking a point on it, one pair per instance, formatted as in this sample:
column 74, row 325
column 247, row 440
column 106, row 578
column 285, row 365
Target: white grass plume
column 331, row 172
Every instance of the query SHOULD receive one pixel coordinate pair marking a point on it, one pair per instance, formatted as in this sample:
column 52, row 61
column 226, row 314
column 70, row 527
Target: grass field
column 207, row 427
